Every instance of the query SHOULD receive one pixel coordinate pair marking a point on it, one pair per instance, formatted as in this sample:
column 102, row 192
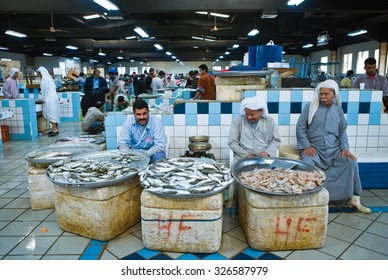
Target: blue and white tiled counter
column 367, row 126
column 23, row 125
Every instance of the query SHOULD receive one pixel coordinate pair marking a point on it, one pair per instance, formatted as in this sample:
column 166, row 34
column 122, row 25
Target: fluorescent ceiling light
column 101, row 53
column 47, row 54
column 269, row 13
column 74, row 57
column 210, row 40
column 217, row 59
column 50, row 39
column 219, row 15
column 358, row 32
column 5, row 59
column 173, row 57
column 308, row 46
column 130, row 37
column 4, row 48
column 283, row 52
column 91, row 16
column 294, row 2
column 141, row 32
column 253, row 32
column 120, row 57
column 221, row 56
column 141, row 62
column 195, row 47
column 168, row 53
column 177, row 60
column 132, row 60
column 109, row 62
column 197, row 38
column 201, row 13
column 16, row 34
column 235, row 46
column 93, row 60
column 159, row 47
column 106, row 4
column 227, row 52
column 71, row 47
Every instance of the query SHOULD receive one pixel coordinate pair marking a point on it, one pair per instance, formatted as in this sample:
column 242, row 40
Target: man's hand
column 310, row 151
column 251, row 156
column 264, row 154
column 348, row 155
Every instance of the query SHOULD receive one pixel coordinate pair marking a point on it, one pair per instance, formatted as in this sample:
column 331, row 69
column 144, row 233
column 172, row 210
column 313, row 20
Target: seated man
column 254, row 133
column 121, row 103
column 323, row 142
column 144, row 132
column 94, row 119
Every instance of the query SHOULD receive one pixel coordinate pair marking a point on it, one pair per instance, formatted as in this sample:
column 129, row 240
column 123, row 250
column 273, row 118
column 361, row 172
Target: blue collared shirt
column 96, row 83
column 150, row 138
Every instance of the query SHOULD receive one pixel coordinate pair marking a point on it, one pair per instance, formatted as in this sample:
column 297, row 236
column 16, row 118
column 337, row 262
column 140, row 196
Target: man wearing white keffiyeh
column 254, row 133
column 322, row 141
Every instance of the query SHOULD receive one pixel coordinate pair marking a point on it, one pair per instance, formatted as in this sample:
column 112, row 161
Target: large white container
column 42, row 191
column 276, row 222
column 182, row 225
column 99, row 213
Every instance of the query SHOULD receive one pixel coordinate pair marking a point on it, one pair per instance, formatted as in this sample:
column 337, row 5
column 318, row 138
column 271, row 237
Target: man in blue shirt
column 144, row 132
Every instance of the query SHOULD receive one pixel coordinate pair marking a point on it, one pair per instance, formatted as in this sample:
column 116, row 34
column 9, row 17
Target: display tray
column 100, row 164
column 250, row 164
column 149, row 96
column 55, row 152
column 186, row 178
column 95, row 139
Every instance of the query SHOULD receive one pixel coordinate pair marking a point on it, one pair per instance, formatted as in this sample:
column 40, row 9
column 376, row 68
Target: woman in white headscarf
column 322, row 141
column 51, row 100
column 11, row 87
column 254, row 133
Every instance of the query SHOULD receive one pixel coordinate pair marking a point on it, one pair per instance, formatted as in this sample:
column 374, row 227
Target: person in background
column 92, row 89
column 122, row 89
column 113, row 90
column 254, row 133
column 11, row 87
column 145, row 132
column 88, row 101
column 148, row 80
column 323, row 142
column 121, row 102
column 373, row 80
column 192, row 81
column 347, row 81
column 206, row 89
column 142, row 87
column 170, row 83
column 157, row 82
column 81, row 81
column 50, row 98
column 135, row 83
column 94, row 119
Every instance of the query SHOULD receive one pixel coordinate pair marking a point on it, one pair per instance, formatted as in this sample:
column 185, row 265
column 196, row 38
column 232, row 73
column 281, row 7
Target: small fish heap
column 185, row 177
column 72, row 171
column 56, row 154
column 281, row 180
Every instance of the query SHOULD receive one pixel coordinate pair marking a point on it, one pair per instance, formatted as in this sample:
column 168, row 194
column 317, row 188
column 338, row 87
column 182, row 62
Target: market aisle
column 350, row 235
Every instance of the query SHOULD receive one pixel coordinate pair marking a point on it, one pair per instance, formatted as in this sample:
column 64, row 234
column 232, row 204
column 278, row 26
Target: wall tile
column 284, row 119
column 292, row 141
column 284, row 140
column 191, row 131
column 365, row 96
column 215, row 142
column 203, row 119
column 191, row 108
column 377, row 96
column 225, row 130
column 203, row 130
column 292, row 131
column 383, row 141
column 215, row 108
column 353, row 107
column 294, row 118
column 179, row 131
column 236, row 107
column 226, row 119
column 308, row 95
column 352, row 119
column 373, row 141
column 203, row 108
column 375, row 107
column 249, row 93
column 180, row 143
column 352, row 141
column 284, row 131
column 215, row 119
column 226, row 108
column 214, row 131
column 344, row 95
column 179, row 120
column 373, row 130
column 361, row 141
column 284, row 107
column 273, row 96
column 362, row 130
column 363, row 119
column 285, row 96
column 191, row 119
column 354, row 96
column 296, row 95
column 168, row 119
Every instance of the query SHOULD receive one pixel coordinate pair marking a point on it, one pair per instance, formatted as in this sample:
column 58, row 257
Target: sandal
column 53, row 133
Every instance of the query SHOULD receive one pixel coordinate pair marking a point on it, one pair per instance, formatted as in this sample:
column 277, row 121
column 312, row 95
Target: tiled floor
column 350, row 235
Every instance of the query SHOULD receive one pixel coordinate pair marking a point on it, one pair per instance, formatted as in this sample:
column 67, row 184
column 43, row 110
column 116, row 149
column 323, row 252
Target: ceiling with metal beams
column 51, row 25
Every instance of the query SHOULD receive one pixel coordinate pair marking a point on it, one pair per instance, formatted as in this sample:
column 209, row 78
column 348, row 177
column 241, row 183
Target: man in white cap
column 254, row 133
column 11, row 88
column 323, row 142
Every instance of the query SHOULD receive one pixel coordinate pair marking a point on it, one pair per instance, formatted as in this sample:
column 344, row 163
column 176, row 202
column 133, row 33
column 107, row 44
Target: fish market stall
column 182, row 204
column 282, row 202
column 98, row 194
column 95, row 139
column 42, row 191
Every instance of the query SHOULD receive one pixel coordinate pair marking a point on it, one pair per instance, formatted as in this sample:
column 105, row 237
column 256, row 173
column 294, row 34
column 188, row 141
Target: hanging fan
column 52, row 29
column 215, row 28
